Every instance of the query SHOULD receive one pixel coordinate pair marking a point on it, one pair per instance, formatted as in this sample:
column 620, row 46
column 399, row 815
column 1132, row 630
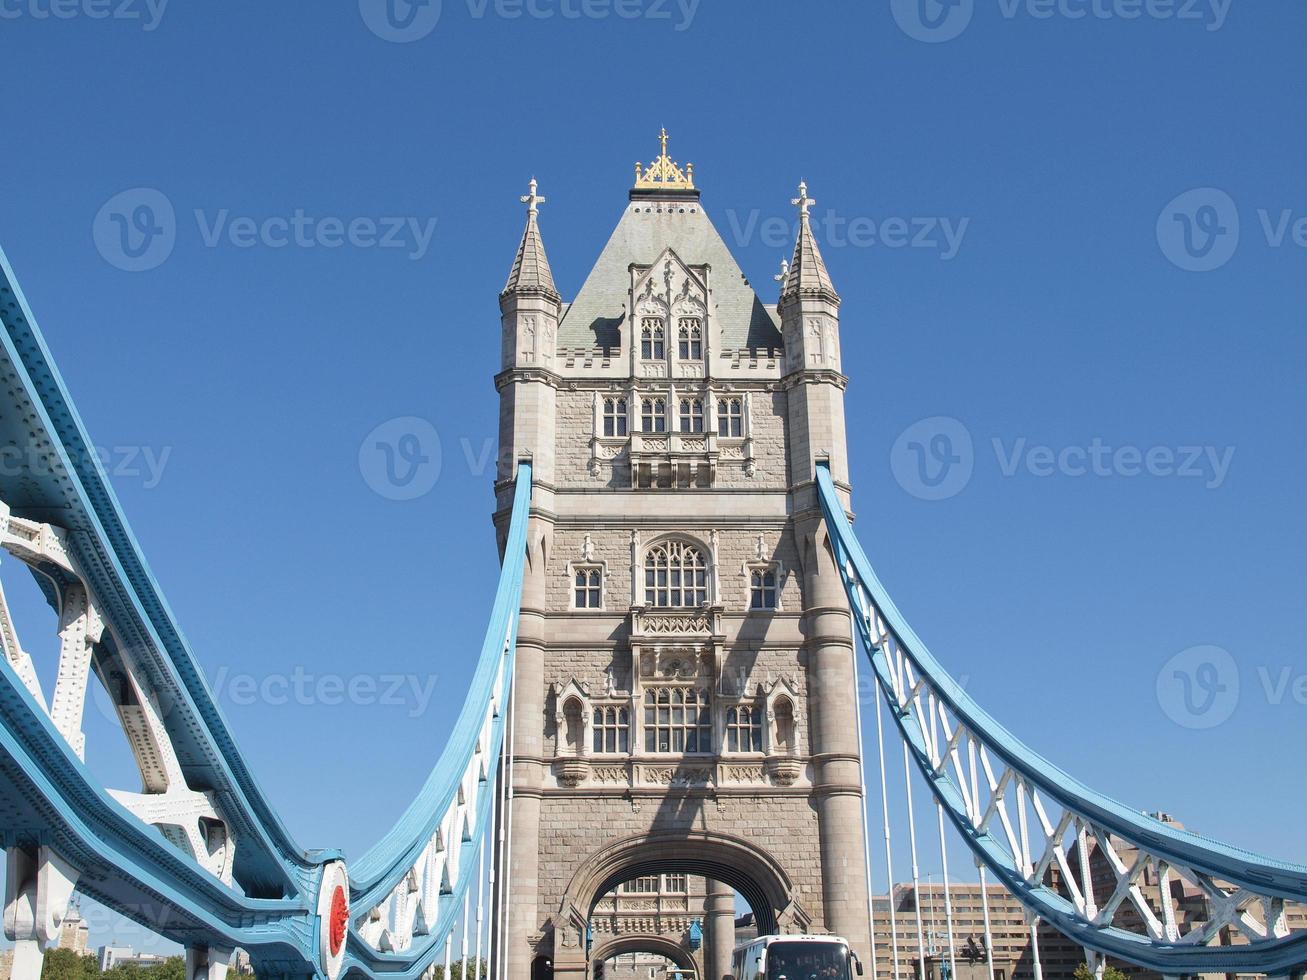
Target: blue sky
column 1004, row 202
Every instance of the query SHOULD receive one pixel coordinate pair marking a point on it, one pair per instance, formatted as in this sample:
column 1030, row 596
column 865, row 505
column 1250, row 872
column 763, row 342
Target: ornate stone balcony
column 671, row 460
column 699, row 624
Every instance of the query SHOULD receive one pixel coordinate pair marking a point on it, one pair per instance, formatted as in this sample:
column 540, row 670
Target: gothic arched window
column 615, row 416
column 653, row 415
column 652, row 347
column 677, row 719
column 675, row 576
column 744, row 729
column 730, row 418
column 690, row 335
column 691, row 414
column 762, row 588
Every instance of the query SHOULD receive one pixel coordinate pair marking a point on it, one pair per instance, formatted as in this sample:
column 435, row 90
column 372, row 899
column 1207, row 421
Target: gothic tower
column 685, row 698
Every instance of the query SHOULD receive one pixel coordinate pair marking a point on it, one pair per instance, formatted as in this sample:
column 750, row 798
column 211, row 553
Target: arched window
column 653, row 415
column 675, row 576
column 652, row 346
column 612, row 730
column 571, row 732
column 677, row 719
column 784, row 713
column 690, row 335
column 730, row 418
column 691, row 414
column 615, row 416
column 744, row 729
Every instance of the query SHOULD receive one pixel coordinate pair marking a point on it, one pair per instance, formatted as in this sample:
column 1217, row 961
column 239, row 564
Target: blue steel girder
column 56, row 497
column 1001, row 796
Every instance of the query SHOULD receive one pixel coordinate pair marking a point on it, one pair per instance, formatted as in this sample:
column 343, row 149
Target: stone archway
column 740, row 864
column 645, row 944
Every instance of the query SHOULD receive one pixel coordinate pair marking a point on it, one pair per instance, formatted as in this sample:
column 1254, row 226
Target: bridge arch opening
column 739, row 864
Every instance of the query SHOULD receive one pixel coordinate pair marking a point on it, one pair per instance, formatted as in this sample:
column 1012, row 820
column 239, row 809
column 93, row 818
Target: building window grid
column 615, row 417
column 588, row 587
column 730, row 418
column 611, row 730
column 652, row 345
column 653, row 415
column 677, row 720
column 690, row 337
column 675, row 577
column 691, row 411
column 744, row 729
column 763, row 593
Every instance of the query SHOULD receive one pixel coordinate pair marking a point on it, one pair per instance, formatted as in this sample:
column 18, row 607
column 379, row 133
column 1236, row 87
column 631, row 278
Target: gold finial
column 532, row 200
column 663, row 173
column 803, row 201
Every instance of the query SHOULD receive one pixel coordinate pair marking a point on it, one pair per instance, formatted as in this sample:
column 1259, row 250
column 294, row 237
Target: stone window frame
column 747, row 571
column 598, row 729
column 588, row 566
column 689, row 338
column 614, row 413
column 667, row 543
column 722, row 401
column 653, row 415
column 653, row 338
column 704, row 701
column 756, row 724
column 689, row 413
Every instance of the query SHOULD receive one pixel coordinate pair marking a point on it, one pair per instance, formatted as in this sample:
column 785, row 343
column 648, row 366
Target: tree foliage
column 64, row 964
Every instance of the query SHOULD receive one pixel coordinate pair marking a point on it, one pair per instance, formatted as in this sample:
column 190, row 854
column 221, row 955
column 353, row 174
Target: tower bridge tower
column 685, row 699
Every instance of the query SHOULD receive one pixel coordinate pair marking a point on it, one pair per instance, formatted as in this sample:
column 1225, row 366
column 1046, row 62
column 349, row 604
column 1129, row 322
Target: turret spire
column 807, row 272
column 531, row 272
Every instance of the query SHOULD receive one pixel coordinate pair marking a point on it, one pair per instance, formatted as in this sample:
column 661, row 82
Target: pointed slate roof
column 807, row 274
column 531, row 272
column 649, row 225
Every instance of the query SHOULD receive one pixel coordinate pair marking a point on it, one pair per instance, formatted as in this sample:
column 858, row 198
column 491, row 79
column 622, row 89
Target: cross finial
column 803, row 201
column 785, row 272
column 662, row 138
column 532, row 200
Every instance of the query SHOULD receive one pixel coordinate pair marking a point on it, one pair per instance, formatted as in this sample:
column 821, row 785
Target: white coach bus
column 795, row 958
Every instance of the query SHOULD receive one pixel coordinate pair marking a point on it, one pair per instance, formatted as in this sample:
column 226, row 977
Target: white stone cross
column 532, row 200
column 784, row 273
column 803, row 201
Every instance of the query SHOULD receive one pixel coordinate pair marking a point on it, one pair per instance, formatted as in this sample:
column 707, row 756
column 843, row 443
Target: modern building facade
column 685, row 694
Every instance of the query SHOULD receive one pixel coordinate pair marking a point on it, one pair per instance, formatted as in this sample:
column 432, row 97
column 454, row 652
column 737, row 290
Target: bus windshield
column 807, row 961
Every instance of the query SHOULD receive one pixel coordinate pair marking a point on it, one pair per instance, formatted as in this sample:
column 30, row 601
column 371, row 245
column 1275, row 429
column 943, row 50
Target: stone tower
column 684, row 699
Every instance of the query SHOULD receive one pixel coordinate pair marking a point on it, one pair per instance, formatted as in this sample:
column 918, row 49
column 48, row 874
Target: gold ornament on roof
column 663, row 173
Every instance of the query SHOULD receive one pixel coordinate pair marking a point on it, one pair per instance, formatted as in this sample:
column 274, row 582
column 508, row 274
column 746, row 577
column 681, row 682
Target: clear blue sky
column 1051, row 145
